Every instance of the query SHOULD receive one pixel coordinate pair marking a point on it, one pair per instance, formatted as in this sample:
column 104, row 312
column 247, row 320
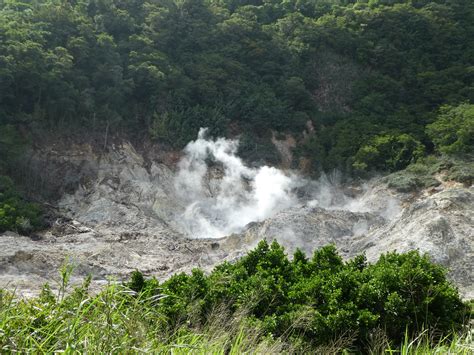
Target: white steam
column 222, row 205
column 221, row 195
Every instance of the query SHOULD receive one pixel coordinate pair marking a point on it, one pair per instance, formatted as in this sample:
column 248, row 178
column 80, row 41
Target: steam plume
column 222, row 205
column 221, row 195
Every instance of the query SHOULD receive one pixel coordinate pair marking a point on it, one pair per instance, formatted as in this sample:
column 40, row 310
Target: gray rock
column 120, row 211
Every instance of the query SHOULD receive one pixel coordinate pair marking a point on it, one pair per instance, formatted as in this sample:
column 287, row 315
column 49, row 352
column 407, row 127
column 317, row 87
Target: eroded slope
column 125, row 215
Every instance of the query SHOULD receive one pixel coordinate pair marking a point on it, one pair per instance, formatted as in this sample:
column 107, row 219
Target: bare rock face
column 122, row 216
column 310, row 228
column 121, row 220
column 126, row 195
column 441, row 225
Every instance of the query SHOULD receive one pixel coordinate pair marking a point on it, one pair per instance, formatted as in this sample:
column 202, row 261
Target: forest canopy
column 363, row 72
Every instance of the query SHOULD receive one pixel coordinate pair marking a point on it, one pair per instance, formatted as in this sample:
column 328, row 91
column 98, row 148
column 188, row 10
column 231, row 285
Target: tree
column 392, row 152
column 453, row 130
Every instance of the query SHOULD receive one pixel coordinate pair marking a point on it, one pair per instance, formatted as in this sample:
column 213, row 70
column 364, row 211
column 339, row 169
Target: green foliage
column 356, row 69
column 15, row 213
column 430, row 171
column 461, row 171
column 263, row 303
column 404, row 181
column 177, row 128
column 453, row 130
column 392, row 152
column 11, row 146
column 256, row 149
column 322, row 298
column 137, row 281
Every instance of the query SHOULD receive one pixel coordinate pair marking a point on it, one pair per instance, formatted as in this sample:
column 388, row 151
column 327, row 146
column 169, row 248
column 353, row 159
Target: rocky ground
column 119, row 213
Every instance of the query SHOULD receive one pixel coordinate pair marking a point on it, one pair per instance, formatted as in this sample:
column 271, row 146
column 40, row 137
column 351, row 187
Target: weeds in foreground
column 245, row 308
column 118, row 320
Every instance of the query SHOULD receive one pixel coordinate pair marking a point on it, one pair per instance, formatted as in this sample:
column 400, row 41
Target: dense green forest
column 375, row 84
column 369, row 74
column 263, row 303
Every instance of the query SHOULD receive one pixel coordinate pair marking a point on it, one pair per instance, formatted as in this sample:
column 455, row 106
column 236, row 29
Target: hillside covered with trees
column 369, row 75
column 360, row 86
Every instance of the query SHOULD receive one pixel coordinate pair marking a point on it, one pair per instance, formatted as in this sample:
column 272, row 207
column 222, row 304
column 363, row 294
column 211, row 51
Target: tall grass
column 119, row 320
column 459, row 344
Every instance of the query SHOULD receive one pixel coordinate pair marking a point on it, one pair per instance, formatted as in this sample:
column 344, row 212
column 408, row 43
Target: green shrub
column 263, row 303
column 15, row 213
column 137, row 281
column 322, row 298
column 422, row 174
column 453, row 131
column 392, row 152
column 461, row 171
column 407, row 181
